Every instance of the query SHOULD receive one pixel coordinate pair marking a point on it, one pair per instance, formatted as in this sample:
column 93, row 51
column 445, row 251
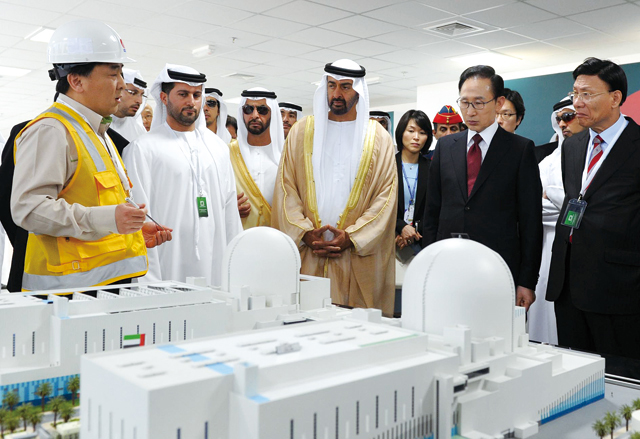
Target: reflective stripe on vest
column 65, row 262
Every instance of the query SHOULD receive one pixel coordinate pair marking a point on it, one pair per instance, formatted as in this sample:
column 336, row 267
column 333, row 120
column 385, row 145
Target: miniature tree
column 43, row 391
column 611, row 420
column 12, row 422
column 11, row 400
column 625, row 412
column 35, row 417
column 55, row 405
column 636, row 404
column 66, row 411
column 600, row 428
column 4, row 413
column 74, row 385
column 23, row 412
column 635, row 435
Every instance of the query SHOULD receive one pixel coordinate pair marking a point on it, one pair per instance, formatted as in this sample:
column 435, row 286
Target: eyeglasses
column 135, row 93
column 212, row 103
column 585, row 96
column 505, row 115
column 262, row 110
column 477, row 105
column 566, row 117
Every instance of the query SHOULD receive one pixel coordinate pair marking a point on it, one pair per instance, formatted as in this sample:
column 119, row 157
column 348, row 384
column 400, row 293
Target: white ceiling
column 286, row 43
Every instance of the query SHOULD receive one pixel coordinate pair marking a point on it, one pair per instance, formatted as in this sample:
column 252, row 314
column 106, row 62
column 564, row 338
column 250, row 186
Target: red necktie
column 596, row 154
column 474, row 161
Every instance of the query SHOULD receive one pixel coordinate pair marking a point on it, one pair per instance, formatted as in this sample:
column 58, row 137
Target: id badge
column 408, row 214
column 573, row 213
column 202, row 206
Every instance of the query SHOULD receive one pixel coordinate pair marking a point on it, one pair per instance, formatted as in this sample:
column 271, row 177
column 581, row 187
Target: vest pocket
column 109, row 188
column 77, row 255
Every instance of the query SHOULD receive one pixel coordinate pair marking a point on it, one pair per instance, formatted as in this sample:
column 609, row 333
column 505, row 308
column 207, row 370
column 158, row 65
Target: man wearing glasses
column 215, row 113
column 127, row 120
column 564, row 123
column 484, row 182
column 594, row 280
column 255, row 154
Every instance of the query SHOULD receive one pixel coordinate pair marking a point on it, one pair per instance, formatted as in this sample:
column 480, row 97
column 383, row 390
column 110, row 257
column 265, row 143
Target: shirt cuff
column 103, row 219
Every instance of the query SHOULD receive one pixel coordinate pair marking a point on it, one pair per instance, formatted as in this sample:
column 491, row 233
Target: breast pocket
column 109, row 188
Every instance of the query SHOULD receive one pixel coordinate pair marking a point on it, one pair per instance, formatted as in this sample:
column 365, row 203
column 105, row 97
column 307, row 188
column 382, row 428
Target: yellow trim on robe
column 260, row 214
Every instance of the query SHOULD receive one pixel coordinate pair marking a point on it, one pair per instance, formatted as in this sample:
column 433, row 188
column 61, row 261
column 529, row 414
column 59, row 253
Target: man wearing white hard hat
column 70, row 186
column 336, row 192
column 255, row 154
column 183, row 171
column 127, row 120
column 215, row 113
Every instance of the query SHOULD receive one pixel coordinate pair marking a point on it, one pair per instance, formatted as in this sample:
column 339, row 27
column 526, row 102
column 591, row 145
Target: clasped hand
column 327, row 249
column 130, row 219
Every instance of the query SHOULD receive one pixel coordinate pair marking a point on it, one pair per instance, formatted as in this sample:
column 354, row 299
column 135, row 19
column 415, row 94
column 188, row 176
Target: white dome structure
column 265, row 260
column 459, row 282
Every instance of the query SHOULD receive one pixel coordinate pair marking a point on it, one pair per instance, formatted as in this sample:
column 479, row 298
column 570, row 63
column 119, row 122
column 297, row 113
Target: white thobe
column 542, row 317
column 339, row 166
column 169, row 170
column 128, row 127
column 263, row 168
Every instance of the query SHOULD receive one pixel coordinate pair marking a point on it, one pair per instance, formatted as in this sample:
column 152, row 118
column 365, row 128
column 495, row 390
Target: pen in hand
column 133, row 203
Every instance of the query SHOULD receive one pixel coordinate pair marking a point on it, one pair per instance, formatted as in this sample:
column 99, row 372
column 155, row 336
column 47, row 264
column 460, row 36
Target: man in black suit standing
column 485, row 182
column 594, row 278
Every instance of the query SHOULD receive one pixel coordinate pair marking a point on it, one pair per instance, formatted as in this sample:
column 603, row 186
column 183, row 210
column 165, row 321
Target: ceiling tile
column 274, row 27
column 16, row 29
column 365, row 48
column 27, row 55
column 544, row 30
column 533, row 50
column 408, row 38
column 200, row 11
column 409, row 14
column 253, row 56
column 491, row 40
column 571, row 7
column 327, row 55
column 448, row 49
column 234, row 37
column 360, row 26
column 177, row 26
column 358, row 6
column 586, row 41
column 24, row 14
column 9, row 41
column 255, row 6
column 307, row 13
column 297, row 63
column 93, row 9
column 320, row 37
column 151, row 36
column 401, row 56
column 611, row 20
column 57, row 6
column 511, row 15
column 283, row 47
column 465, row 6
column 374, row 65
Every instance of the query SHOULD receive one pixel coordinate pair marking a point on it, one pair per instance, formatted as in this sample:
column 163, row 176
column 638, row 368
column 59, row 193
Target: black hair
column 421, row 119
column 167, row 87
column 62, row 86
column 515, row 98
column 435, row 125
column 232, row 121
column 486, row 72
column 608, row 71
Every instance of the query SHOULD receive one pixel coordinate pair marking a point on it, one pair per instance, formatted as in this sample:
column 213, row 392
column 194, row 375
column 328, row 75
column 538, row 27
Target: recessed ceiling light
column 373, row 81
column 245, row 76
column 42, row 35
column 203, row 51
column 486, row 58
column 13, row 71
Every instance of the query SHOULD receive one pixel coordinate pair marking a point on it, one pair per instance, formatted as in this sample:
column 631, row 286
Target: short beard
column 345, row 108
column 257, row 132
column 177, row 115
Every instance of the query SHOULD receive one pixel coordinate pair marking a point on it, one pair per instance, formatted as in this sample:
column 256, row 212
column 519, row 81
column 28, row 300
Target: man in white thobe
column 215, row 113
column 182, row 171
column 127, row 121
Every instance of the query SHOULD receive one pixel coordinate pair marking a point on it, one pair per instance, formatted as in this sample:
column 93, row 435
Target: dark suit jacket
column 605, row 253
column 17, row 235
column 544, row 150
column 504, row 210
column 421, row 191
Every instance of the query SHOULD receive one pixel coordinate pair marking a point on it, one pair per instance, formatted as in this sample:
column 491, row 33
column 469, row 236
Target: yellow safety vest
column 260, row 214
column 63, row 262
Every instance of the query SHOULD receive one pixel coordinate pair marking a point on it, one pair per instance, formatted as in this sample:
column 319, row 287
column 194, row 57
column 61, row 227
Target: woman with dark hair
column 414, row 132
column 511, row 114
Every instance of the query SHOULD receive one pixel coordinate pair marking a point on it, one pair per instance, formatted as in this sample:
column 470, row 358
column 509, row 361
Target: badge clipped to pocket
column 408, row 214
column 573, row 213
column 202, row 207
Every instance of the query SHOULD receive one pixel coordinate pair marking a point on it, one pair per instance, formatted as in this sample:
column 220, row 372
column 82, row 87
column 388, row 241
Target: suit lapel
column 458, row 152
column 423, row 169
column 578, row 165
column 497, row 149
column 622, row 149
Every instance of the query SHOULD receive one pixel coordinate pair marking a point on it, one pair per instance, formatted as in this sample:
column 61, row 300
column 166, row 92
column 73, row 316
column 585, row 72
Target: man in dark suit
column 485, row 182
column 594, row 278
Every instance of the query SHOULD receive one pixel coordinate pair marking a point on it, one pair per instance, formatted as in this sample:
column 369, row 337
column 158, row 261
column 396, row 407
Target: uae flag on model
column 133, row 341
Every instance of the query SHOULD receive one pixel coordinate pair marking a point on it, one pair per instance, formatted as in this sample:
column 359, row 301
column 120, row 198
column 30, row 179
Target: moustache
column 338, row 100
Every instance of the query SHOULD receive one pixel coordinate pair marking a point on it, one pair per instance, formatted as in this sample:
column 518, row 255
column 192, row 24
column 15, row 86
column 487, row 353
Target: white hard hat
column 86, row 41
